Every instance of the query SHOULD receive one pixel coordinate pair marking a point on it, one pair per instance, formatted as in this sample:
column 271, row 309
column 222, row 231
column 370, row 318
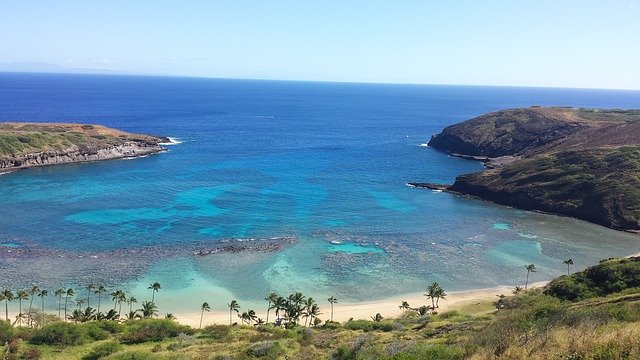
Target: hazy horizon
column 569, row 44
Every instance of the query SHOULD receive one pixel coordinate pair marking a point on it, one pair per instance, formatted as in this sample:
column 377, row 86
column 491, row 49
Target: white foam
column 172, row 141
column 437, row 190
column 5, row 172
column 424, row 145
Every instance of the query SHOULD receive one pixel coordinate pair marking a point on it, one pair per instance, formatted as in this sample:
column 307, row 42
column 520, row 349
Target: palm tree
column 99, row 291
column 58, row 293
column 131, row 300
column 169, row 316
column 313, row 313
column 517, row 290
column 80, row 302
column 69, row 293
column 432, row 291
column 332, row 300
column 90, row 288
column 32, row 293
column 568, row 262
column 279, row 305
column 42, row 294
column 149, row 309
column 404, row 306
column 251, row 316
column 440, row 294
column 154, row 288
column 122, row 297
column 233, row 306
column 271, row 298
column 205, row 307
column 377, row 318
column 307, row 309
column 7, row 296
column 530, row 268
column 21, row 295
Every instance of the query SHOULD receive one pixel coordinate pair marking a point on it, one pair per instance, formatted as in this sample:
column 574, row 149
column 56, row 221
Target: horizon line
column 99, row 72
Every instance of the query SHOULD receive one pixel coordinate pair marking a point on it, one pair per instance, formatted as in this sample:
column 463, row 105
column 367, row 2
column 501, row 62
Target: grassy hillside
column 600, row 185
column 582, row 163
column 537, row 324
column 23, row 138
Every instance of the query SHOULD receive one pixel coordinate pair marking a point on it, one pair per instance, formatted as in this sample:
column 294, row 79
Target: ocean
column 323, row 163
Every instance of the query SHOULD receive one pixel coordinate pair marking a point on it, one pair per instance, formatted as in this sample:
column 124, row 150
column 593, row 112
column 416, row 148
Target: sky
column 560, row 43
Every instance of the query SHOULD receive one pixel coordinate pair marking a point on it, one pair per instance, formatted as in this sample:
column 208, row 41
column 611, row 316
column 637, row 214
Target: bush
column 31, row 354
column 58, row 333
column 270, row 349
column 366, row 325
column 103, row 350
column 152, row 330
column 132, row 355
column 440, row 352
column 218, row 332
column 6, row 331
column 93, row 331
column 112, row 327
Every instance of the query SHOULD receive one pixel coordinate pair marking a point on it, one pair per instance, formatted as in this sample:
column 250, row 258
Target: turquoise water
column 326, row 164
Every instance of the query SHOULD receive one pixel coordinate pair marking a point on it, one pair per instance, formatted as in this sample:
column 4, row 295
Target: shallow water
column 325, row 163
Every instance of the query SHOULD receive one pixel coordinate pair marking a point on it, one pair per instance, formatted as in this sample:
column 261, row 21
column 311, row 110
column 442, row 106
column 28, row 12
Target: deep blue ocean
column 326, row 163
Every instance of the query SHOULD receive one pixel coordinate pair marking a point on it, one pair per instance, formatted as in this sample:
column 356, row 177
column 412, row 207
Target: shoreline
column 364, row 310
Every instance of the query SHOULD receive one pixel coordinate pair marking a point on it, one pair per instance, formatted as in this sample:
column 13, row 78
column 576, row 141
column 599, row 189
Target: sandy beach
column 365, row 310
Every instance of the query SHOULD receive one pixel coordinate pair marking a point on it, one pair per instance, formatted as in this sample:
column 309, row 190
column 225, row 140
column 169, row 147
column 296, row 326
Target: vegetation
column 602, row 323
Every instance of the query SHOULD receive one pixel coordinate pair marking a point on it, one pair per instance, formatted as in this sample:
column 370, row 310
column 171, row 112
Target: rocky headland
column 583, row 163
column 24, row 145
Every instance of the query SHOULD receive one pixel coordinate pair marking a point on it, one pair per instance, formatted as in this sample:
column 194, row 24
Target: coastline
column 364, row 310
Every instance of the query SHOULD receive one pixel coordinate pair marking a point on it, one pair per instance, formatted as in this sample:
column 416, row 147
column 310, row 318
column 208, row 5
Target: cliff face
column 584, row 163
column 30, row 144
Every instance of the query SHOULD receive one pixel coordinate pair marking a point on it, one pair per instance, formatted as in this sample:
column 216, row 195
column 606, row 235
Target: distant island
column 24, row 145
column 583, row 163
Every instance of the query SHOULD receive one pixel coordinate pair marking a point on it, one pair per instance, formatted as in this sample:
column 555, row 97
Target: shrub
column 269, row 349
column 58, row 333
column 112, row 327
column 152, row 330
column 421, row 351
column 93, row 331
column 31, row 354
column 218, row 332
column 132, row 355
column 6, row 331
column 366, row 325
column 103, row 350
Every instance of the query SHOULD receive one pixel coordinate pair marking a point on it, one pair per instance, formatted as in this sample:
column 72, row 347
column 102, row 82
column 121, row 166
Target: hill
column 591, row 315
column 583, row 163
column 25, row 145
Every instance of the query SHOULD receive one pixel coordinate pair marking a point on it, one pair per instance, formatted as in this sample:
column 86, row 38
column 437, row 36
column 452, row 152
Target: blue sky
column 593, row 44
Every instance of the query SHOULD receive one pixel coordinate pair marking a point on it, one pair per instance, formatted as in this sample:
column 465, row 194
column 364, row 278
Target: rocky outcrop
column 28, row 145
column 587, row 166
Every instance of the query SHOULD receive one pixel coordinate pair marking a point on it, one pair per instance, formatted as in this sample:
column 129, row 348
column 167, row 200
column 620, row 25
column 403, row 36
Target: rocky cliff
column 583, row 163
column 25, row 145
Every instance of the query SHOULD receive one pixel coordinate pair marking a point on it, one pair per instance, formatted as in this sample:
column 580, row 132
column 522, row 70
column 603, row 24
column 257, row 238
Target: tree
column 130, row 301
column 154, row 289
column 21, row 295
column 313, row 313
column 517, row 290
column 377, row 318
column 205, row 307
column 568, row 262
column 32, row 293
column 6, row 296
column 69, row 294
column 79, row 303
column 440, row 294
column 90, row 288
column 58, row 293
column 404, row 306
column 530, row 268
column 332, row 300
column 149, row 309
column 251, row 316
column 169, row 316
column 432, row 293
column 271, row 299
column 100, row 291
column 42, row 294
column 233, row 306
column 308, row 305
